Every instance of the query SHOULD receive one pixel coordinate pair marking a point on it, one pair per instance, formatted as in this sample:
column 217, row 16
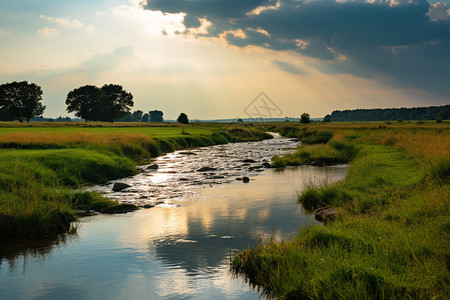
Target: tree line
column 391, row 114
column 109, row 103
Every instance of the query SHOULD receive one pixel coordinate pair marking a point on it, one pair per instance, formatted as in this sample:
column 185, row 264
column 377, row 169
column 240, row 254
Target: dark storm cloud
column 398, row 41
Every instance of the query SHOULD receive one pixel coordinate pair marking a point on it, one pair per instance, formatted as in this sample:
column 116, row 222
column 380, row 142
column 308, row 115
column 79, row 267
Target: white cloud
column 47, row 31
column 4, row 32
column 74, row 23
column 153, row 21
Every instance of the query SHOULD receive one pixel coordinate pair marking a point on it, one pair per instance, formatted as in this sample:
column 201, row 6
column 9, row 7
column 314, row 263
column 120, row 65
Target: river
column 181, row 247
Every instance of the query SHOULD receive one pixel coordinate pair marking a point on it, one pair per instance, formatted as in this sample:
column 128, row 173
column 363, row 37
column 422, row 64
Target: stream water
column 181, row 247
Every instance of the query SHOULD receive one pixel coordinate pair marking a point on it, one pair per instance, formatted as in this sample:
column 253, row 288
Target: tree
column 327, row 118
column 85, row 102
column 183, row 119
column 240, row 121
column 304, row 118
column 115, row 102
column 137, row 116
column 6, row 115
column 21, row 100
column 156, row 116
column 145, row 118
column 108, row 103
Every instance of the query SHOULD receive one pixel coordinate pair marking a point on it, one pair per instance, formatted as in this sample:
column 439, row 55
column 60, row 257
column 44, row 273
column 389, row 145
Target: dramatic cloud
column 404, row 43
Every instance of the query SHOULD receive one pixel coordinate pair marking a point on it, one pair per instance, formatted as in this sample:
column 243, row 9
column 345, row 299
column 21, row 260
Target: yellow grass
column 25, row 139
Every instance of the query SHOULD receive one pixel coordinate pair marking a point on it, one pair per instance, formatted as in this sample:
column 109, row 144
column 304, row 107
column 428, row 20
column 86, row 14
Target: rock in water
column 187, row 153
column 325, row 214
column 245, row 179
column 204, row 169
column 152, row 167
column 118, row 186
column 249, row 161
column 120, row 209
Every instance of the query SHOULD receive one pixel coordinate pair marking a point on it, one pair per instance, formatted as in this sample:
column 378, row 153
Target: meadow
column 45, row 166
column 390, row 237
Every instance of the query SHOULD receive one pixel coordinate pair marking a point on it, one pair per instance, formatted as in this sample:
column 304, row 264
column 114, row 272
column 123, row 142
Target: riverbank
column 390, row 237
column 43, row 167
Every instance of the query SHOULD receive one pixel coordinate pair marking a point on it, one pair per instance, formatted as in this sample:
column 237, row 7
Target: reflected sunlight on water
column 167, row 253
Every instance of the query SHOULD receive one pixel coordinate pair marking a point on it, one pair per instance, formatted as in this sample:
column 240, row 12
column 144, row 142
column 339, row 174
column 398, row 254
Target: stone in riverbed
column 245, row 179
column 267, row 165
column 325, row 214
column 249, row 161
column 118, row 186
column 152, row 167
column 187, row 153
column 204, row 169
column 120, row 209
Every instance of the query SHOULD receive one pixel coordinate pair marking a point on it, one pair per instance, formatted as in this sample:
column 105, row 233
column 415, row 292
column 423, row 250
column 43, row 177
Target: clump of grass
column 307, row 136
column 440, row 170
column 245, row 134
column 313, row 197
column 326, row 154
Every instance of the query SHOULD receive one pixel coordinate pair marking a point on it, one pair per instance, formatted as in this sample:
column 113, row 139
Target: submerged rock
column 249, row 161
column 118, row 186
column 187, row 153
column 255, row 167
column 325, row 214
column 86, row 213
column 120, row 209
column 267, row 165
column 152, row 167
column 204, row 169
column 245, row 179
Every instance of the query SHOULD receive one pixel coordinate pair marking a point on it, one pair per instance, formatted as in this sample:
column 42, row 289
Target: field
column 389, row 239
column 43, row 167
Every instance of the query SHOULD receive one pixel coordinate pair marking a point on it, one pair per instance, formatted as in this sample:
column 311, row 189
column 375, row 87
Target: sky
column 225, row 58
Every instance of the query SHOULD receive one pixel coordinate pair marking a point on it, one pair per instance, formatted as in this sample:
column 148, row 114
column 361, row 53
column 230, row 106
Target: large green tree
column 108, row 103
column 183, row 119
column 305, row 118
column 156, row 116
column 137, row 115
column 115, row 102
column 21, row 100
column 85, row 102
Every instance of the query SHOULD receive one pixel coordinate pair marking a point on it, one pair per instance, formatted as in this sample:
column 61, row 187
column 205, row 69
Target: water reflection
column 166, row 253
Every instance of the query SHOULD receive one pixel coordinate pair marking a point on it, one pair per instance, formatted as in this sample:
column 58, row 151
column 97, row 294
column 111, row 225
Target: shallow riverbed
column 179, row 249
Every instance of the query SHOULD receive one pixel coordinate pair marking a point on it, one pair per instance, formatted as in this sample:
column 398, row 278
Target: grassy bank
column 43, row 168
column 390, row 237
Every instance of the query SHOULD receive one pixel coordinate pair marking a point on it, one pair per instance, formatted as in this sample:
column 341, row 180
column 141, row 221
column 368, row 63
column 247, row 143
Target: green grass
column 42, row 168
column 389, row 240
column 319, row 155
column 154, row 132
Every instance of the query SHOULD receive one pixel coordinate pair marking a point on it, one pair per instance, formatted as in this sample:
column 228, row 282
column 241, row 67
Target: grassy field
column 44, row 166
column 390, row 237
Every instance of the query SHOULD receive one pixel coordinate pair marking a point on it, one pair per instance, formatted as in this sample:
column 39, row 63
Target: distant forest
column 392, row 114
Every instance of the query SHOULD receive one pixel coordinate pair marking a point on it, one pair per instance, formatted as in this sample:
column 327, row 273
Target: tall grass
column 390, row 238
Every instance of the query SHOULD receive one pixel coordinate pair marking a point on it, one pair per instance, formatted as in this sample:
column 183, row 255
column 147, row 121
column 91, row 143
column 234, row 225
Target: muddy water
column 179, row 249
